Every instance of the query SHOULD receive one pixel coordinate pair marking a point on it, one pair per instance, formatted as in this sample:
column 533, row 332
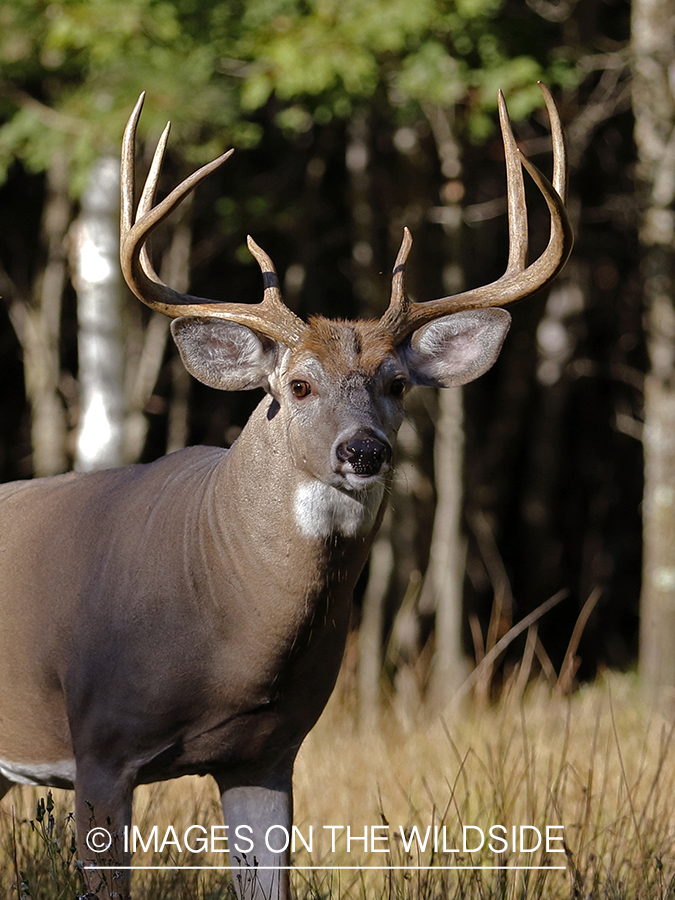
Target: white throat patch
column 322, row 510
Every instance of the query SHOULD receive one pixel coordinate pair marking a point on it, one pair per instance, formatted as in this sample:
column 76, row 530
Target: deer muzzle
column 364, row 454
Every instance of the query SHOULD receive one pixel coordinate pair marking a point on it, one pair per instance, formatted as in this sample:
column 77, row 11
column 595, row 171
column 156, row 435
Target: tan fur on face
column 342, row 346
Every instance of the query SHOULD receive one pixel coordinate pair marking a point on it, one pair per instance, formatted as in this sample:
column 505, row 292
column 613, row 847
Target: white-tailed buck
column 189, row 616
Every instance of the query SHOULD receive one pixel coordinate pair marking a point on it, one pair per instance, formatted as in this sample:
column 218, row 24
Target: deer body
column 229, row 577
column 175, row 663
column 189, row 616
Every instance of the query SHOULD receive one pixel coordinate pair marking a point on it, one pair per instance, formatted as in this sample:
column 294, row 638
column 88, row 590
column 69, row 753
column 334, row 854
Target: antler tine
column 270, row 317
column 150, row 187
column 272, row 302
column 558, row 143
column 515, row 194
column 269, row 273
column 127, row 169
column 398, row 275
column 544, row 269
column 518, row 281
column 397, row 313
column 148, row 198
column 128, row 180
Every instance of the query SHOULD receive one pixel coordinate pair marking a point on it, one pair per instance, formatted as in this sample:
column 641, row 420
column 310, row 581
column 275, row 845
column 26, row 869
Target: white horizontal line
column 253, row 869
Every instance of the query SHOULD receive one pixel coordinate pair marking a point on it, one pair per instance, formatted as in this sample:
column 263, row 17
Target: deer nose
column 365, row 453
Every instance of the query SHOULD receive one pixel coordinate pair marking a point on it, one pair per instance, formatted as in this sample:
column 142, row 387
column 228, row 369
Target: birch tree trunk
column 653, row 46
column 97, row 280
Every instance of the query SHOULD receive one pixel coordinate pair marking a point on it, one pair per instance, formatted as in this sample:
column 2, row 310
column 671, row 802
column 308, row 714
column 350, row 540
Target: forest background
column 554, row 472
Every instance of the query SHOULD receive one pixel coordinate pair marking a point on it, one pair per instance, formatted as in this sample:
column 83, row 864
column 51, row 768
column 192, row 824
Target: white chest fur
column 322, row 510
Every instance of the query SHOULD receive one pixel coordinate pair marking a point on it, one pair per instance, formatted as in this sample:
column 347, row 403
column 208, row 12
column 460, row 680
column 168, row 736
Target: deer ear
column 222, row 354
column 457, row 348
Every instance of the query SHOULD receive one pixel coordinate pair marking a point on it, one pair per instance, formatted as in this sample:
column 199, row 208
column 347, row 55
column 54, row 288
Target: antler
column 404, row 316
column 271, row 317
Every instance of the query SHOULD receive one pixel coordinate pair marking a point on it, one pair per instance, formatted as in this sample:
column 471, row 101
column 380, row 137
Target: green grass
column 600, row 763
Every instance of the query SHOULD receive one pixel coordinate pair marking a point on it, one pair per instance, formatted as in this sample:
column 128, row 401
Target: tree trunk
column 653, row 46
column 657, row 602
column 357, row 157
column 366, row 287
column 371, row 629
column 41, row 329
column 99, row 312
column 447, row 557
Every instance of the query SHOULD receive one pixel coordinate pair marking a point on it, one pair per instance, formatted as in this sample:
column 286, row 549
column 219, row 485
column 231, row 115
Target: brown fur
column 342, row 346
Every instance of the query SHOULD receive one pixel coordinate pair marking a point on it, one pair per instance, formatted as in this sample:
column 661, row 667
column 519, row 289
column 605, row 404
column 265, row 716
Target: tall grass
column 600, row 763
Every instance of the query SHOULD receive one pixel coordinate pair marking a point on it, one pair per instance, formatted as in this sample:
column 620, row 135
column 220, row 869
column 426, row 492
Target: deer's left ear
column 457, row 348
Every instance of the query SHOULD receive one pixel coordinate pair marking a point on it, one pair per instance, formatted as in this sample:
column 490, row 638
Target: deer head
column 344, row 381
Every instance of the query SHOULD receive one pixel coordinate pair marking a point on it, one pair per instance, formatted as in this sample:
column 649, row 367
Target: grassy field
column 600, row 763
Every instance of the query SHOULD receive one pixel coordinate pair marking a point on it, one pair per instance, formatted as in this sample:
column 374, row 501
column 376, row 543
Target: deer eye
column 300, row 388
column 397, row 387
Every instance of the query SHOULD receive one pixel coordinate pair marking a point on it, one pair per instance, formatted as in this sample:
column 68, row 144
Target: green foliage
column 326, row 55
column 70, row 71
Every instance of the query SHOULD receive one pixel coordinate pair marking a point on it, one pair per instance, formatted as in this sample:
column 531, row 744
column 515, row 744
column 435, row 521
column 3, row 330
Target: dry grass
column 599, row 763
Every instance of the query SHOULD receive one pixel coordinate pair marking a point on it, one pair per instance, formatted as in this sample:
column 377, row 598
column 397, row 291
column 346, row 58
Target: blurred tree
column 653, row 46
column 36, row 318
column 69, row 74
column 98, row 282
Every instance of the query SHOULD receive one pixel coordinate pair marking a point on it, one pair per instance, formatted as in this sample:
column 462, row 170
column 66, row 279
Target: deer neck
column 288, row 521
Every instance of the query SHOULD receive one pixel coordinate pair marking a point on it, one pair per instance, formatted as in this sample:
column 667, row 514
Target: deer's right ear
column 222, row 354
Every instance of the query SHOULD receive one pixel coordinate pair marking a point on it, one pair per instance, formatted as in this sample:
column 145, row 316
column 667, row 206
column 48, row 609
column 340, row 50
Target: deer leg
column 259, row 821
column 103, row 810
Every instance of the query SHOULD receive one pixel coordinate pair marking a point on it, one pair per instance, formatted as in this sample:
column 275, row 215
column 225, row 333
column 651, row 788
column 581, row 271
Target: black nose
column 366, row 454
